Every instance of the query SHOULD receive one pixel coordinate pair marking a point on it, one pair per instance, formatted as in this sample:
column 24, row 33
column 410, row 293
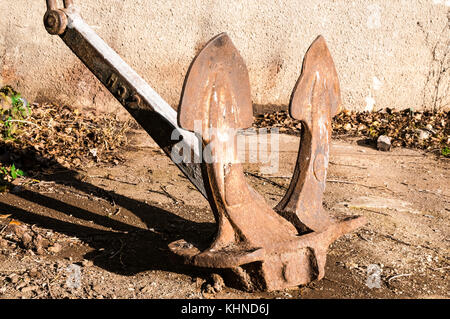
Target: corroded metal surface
column 264, row 248
column 55, row 21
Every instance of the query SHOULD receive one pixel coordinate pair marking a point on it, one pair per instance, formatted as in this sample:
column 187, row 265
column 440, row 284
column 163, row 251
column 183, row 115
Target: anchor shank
column 149, row 109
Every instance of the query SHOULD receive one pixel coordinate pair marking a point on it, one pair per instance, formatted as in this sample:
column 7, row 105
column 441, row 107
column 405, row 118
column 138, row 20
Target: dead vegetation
column 428, row 131
column 56, row 133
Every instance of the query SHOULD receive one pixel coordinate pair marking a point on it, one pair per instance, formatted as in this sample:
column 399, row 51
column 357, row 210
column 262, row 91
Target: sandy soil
column 102, row 232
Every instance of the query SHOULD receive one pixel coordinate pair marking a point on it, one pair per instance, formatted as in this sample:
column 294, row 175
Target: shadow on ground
column 123, row 249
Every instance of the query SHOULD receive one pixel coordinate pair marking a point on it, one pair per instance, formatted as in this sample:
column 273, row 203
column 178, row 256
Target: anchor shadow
column 124, row 249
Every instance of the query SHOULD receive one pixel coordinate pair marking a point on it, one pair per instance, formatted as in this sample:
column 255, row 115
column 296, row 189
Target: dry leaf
column 400, row 126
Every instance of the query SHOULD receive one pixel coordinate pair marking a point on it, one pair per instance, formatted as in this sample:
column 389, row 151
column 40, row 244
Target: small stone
column 384, row 143
column 430, row 128
column 423, row 135
column 30, row 252
column 93, row 151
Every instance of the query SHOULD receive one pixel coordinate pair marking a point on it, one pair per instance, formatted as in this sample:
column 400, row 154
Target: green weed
column 445, row 151
column 9, row 173
column 14, row 111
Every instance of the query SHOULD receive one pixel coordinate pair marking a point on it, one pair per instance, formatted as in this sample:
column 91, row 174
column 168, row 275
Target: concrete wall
column 389, row 53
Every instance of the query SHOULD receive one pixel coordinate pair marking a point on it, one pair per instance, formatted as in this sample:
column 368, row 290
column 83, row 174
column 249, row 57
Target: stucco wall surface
column 392, row 53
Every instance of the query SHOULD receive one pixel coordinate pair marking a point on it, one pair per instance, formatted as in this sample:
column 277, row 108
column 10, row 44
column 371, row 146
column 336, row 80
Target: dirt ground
column 103, row 231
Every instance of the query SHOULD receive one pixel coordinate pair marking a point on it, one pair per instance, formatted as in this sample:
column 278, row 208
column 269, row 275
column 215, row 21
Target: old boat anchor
column 263, row 248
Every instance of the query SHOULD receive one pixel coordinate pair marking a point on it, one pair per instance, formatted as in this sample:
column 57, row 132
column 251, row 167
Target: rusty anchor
column 263, row 248
column 267, row 249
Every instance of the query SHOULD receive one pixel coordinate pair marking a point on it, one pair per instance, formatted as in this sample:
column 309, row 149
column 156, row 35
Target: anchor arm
column 316, row 98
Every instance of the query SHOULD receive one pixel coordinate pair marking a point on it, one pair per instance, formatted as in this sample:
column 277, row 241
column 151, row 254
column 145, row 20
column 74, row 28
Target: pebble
column 423, row 135
column 384, row 143
column 429, row 127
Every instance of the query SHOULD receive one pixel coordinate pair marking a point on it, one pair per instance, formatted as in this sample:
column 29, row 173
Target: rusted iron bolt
column 55, row 22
